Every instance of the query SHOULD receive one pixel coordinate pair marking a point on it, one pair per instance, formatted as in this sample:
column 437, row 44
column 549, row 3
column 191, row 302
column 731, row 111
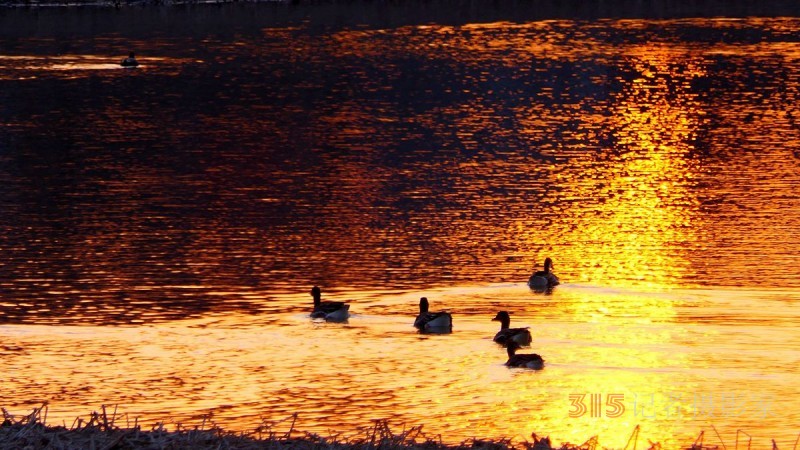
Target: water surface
column 161, row 227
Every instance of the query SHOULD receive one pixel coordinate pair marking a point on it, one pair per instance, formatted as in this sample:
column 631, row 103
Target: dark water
column 262, row 149
column 636, row 151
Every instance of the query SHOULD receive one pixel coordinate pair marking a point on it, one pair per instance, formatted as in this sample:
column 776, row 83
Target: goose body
column 130, row 61
column 528, row 361
column 521, row 336
column 544, row 280
column 330, row 311
column 441, row 322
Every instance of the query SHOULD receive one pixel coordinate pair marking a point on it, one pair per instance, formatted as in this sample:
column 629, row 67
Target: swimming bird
column 528, row 361
column 330, row 311
column 544, row 280
column 433, row 322
column 519, row 335
column 130, row 61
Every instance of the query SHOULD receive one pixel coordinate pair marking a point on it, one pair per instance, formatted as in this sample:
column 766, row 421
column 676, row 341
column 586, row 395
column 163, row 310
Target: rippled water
column 161, row 227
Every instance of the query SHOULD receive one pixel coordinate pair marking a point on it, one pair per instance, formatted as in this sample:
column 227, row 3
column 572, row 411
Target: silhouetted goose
column 331, row 311
column 440, row 321
column 544, row 280
column 130, row 61
column 531, row 361
column 519, row 335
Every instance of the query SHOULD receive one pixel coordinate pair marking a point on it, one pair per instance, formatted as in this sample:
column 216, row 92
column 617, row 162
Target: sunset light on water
column 163, row 226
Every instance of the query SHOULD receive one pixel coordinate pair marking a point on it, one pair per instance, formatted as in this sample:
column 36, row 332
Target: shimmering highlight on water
column 162, row 226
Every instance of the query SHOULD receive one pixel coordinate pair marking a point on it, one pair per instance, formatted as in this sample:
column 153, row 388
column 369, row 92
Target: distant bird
column 544, row 280
column 519, row 335
column 330, row 311
column 528, row 361
column 130, row 61
column 441, row 322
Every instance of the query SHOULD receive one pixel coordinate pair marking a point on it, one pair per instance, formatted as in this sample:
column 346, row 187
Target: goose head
column 504, row 318
column 423, row 305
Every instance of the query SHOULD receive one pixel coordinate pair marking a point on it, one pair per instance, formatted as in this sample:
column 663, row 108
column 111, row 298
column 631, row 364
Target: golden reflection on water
column 74, row 66
column 544, row 139
column 646, row 205
column 628, row 208
column 244, row 371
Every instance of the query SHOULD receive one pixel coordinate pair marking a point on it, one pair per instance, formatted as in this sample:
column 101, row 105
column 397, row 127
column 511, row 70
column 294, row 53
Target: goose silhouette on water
column 330, row 311
column 130, row 61
column 544, row 280
column 506, row 334
column 528, row 361
column 433, row 322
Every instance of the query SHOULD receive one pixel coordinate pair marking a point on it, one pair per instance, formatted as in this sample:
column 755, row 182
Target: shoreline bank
column 141, row 19
column 513, row 9
column 101, row 431
column 31, row 432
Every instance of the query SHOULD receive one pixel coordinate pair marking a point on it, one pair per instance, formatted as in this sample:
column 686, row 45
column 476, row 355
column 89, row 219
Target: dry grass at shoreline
column 122, row 3
column 101, row 432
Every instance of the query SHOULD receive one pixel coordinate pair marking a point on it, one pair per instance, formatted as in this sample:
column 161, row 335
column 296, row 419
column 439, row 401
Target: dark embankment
column 131, row 17
column 101, row 432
